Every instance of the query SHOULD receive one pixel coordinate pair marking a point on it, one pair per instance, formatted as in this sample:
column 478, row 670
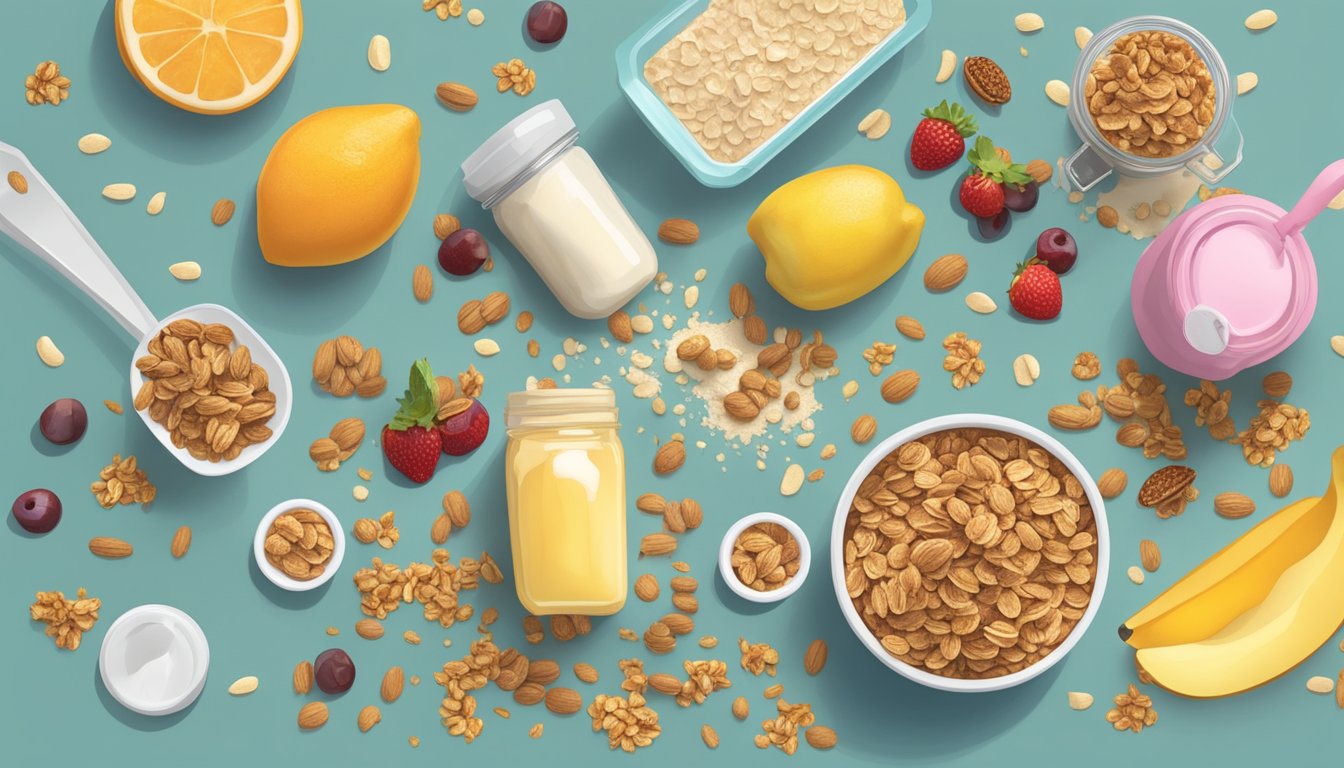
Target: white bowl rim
column 200, row 647
column 278, row 577
column 726, row 553
column 963, row 421
column 262, row 353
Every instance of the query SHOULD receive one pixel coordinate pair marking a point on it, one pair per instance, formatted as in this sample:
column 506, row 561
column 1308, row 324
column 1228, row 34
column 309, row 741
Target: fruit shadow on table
column 135, row 720
column 298, row 299
column 161, row 129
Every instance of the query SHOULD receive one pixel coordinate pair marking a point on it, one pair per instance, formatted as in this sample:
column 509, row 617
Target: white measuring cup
column 41, row 222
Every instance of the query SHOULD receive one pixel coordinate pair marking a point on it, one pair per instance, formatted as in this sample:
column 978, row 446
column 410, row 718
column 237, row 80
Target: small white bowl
column 153, row 660
column 965, row 421
column 277, row 576
column 726, row 556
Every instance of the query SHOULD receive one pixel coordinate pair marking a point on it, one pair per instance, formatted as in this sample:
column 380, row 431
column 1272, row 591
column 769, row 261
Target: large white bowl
column 277, row 576
column 963, row 421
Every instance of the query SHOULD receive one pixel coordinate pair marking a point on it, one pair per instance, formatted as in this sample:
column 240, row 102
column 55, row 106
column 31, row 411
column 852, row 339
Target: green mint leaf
column 421, row 401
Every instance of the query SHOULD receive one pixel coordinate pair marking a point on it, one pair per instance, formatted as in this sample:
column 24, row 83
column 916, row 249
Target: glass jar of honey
column 565, row 476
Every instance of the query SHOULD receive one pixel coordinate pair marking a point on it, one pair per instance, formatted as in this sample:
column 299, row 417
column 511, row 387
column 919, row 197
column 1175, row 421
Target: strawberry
column 982, row 191
column 410, row 441
column 464, row 432
column 940, row 138
column 1035, row 291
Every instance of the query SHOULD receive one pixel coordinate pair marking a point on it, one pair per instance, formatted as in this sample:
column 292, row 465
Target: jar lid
column 560, row 407
column 517, row 149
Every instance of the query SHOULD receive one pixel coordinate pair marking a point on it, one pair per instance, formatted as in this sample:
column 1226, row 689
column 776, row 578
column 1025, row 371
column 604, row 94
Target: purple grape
column 1020, row 198
column 37, row 511
column 333, row 671
column 547, row 22
column 64, row 421
column 991, row 227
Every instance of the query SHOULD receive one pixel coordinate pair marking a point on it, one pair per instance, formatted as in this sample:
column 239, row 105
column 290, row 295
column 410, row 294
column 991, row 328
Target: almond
column 656, row 544
column 586, row 673
column 243, row 685
column 394, row 681
column 669, row 685
column 685, row 602
column 563, row 701
column 303, row 677
column 457, row 97
column 1040, row 171
column 441, row 529
column 181, row 541
column 684, row 583
column 369, row 629
column 899, row 386
column 469, row 318
column 1261, row 19
column 741, row 303
column 1078, row 700
column 709, row 736
column 652, row 503
column 109, row 547
column 529, row 694
column 1233, row 505
column 422, row 283
column 368, row 717
column 864, row 428
column 910, row 328
column 820, row 737
column 313, row 715
column 740, row 406
column 619, row 325
column 543, row 671
column 1112, row 483
column 1149, row 555
column 692, row 347
column 445, row 224
column 380, row 53
column 741, row 708
column 1280, row 480
column 17, row 182
column 93, row 143
column 678, row 623
column 678, row 231
column 1278, row 384
column 815, row 657
column 945, row 272
column 222, row 212
column 753, row 327
column 669, row 458
column 1074, row 417
column 119, row 191
column 646, row 588
column 1132, row 435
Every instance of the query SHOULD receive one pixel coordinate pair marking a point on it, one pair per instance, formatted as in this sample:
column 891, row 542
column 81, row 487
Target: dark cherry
column 991, row 227
column 1057, row 248
column 547, row 22
column 463, row 252
column 1020, row 198
column 64, row 421
column 37, row 511
column 333, row 671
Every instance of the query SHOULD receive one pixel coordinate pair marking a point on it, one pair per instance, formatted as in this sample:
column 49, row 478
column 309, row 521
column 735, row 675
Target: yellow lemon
column 834, row 235
column 337, row 184
column 209, row 56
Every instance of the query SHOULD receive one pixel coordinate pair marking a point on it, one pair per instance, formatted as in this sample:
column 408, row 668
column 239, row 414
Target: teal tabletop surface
column 55, row 710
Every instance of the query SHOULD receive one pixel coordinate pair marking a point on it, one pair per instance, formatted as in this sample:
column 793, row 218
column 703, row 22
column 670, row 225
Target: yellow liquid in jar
column 566, row 494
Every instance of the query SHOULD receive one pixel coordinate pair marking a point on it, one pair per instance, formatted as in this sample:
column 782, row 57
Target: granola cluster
column 782, row 730
column 963, row 360
column 459, row 678
column 66, row 620
column 628, row 721
column 122, row 482
column 383, row 587
column 758, row 657
column 1133, row 711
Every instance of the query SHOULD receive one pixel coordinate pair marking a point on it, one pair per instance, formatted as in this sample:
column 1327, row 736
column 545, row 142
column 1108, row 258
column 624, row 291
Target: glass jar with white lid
column 554, row 205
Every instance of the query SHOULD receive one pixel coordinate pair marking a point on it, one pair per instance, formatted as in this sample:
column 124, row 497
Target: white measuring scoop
column 41, row 222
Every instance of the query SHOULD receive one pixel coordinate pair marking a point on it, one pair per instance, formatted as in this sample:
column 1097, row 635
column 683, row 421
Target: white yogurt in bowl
column 154, row 659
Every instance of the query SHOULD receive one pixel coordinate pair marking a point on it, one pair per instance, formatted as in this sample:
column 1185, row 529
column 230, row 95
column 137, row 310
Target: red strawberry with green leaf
column 1035, row 291
column 410, row 441
column 982, row 191
column 940, row 138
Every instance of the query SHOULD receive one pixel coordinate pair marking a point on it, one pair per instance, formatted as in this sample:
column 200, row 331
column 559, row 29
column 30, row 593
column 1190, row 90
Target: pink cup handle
column 1328, row 184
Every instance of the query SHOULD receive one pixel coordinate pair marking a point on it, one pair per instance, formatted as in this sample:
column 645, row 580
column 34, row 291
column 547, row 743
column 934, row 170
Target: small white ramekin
column 277, row 576
column 726, row 556
column 145, row 633
column 967, row 421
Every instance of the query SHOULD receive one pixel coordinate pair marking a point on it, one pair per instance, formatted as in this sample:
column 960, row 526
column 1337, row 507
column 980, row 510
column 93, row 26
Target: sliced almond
column 48, row 352
column 875, row 124
column 1081, row 35
column 155, row 205
column 186, row 271
column 1028, row 22
column 792, row 480
column 486, row 347
column 1246, row 82
column 1079, row 700
column 243, row 685
column 1337, row 344
column 1320, row 684
column 1026, row 370
column 380, row 53
column 120, row 191
column 1261, row 19
column 93, row 143
column 980, row 302
column 1135, row 574
column 946, row 66
column 1058, row 92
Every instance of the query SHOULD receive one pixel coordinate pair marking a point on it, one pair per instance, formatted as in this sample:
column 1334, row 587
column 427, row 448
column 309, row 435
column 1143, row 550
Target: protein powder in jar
column 552, row 202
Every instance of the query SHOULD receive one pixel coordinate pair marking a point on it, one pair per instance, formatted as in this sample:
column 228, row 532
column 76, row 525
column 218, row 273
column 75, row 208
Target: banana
column 1255, row 609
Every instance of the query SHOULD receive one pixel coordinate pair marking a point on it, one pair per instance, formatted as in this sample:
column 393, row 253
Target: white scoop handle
column 1328, row 184
column 41, row 222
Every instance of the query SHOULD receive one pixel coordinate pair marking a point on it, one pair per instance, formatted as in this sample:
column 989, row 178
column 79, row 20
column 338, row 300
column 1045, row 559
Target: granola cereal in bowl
column 969, row 552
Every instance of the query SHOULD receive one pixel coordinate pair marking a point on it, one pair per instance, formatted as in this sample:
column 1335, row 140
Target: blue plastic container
column 645, row 42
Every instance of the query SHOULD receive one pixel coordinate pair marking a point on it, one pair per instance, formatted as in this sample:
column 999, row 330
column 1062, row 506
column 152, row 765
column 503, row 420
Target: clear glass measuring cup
column 1211, row 158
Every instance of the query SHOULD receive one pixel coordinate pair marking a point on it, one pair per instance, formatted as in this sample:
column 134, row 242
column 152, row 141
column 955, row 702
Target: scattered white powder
column 712, row 386
column 1176, row 188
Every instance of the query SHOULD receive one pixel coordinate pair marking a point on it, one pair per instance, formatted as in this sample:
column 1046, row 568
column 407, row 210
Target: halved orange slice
column 209, row 56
